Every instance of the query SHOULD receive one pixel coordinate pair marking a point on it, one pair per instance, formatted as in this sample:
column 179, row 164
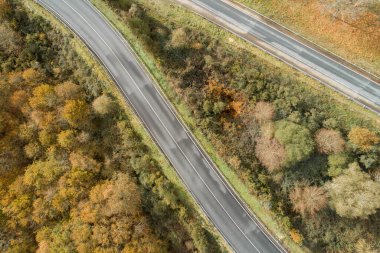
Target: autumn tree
column 67, row 139
column 308, row 200
column 9, row 39
column 46, row 137
column 363, row 246
column 33, row 150
column 102, row 105
column 41, row 174
column 44, row 97
column 76, row 112
column 79, row 160
column 363, row 138
column 31, row 74
column 4, row 8
column 264, row 111
column 18, row 98
column 297, row 141
column 270, row 153
column 354, row 194
column 329, row 141
column 68, row 90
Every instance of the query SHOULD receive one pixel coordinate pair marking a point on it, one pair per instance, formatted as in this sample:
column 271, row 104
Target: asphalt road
column 212, row 193
column 325, row 69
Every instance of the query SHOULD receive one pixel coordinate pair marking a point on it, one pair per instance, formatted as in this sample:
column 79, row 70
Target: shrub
column 296, row 236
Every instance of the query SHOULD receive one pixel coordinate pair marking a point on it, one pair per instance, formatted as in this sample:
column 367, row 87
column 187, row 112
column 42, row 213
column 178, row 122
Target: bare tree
column 270, row 153
column 264, row 112
column 329, row 141
column 308, row 200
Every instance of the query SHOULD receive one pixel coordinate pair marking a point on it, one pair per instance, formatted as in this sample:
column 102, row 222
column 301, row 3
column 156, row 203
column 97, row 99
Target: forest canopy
column 75, row 175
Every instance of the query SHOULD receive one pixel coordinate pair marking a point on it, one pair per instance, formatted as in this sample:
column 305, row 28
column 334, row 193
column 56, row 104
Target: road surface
column 321, row 67
column 211, row 192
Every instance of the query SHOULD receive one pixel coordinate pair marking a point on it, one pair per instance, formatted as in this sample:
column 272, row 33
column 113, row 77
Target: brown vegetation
column 264, row 111
column 308, row 200
column 329, row 141
column 270, row 153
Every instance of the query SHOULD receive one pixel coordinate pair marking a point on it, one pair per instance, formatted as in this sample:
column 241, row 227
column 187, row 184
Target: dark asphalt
column 202, row 179
column 359, row 87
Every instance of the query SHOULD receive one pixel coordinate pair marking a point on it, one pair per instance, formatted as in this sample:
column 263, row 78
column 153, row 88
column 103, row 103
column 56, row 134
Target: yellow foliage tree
column 76, row 112
column 363, row 138
column 43, row 97
column 31, row 74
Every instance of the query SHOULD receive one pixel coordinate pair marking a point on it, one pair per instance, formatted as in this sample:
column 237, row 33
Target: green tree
column 297, row 140
column 353, row 194
column 337, row 163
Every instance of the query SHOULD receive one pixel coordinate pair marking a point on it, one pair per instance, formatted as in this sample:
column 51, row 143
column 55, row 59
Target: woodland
column 75, row 176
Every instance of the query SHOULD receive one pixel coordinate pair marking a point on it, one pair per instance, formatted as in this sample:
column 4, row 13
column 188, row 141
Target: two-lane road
column 321, row 67
column 212, row 193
